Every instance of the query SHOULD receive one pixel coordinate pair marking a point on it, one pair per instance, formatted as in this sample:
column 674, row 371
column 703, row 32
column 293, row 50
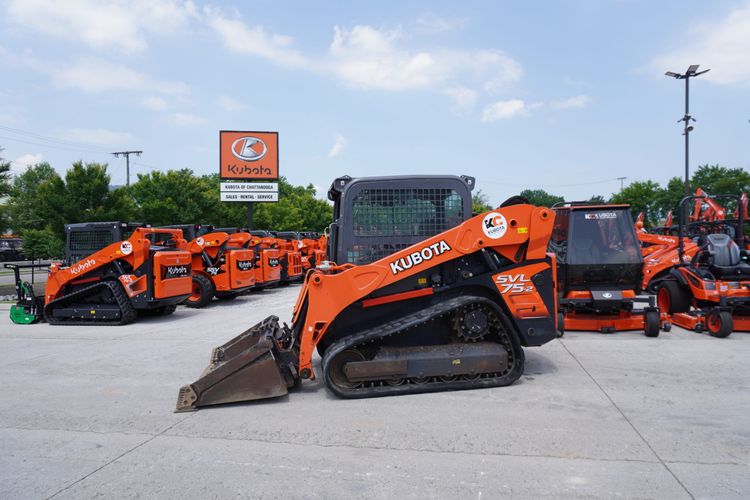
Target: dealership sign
column 249, row 191
column 248, row 156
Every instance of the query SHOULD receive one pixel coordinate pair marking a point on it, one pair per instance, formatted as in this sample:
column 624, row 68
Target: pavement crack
column 118, row 457
column 632, row 426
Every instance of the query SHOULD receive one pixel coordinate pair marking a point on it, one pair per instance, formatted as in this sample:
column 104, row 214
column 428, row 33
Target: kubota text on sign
column 248, row 155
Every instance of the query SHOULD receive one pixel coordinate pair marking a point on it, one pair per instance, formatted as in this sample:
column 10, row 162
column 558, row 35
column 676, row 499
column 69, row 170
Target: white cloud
column 230, row 104
column 122, row 24
column 579, row 101
column 464, row 99
column 431, row 23
column 98, row 136
column 503, row 110
column 723, row 46
column 339, row 142
column 255, row 40
column 154, row 103
column 22, row 162
column 186, row 119
column 369, row 58
column 94, row 75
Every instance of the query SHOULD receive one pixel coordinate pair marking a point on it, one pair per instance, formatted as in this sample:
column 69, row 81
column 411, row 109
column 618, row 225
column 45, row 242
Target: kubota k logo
column 494, row 225
column 249, row 148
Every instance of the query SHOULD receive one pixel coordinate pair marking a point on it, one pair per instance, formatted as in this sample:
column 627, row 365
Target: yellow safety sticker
column 523, row 230
column 421, row 281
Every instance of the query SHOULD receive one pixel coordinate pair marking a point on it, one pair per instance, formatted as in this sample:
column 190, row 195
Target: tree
column 24, row 203
column 480, row 203
column 642, row 197
column 540, row 197
column 5, row 188
column 42, row 244
column 597, row 200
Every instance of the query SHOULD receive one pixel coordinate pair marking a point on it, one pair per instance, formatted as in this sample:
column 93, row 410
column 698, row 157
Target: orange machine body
column 329, row 290
column 144, row 280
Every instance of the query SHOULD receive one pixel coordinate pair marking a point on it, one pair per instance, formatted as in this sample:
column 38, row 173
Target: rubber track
column 128, row 313
column 434, row 385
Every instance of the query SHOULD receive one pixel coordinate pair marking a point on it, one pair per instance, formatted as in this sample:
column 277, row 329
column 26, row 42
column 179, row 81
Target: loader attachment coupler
column 253, row 365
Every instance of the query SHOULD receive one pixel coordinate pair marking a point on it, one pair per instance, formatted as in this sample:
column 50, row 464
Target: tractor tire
column 719, row 323
column 560, row 325
column 673, row 297
column 651, row 323
column 203, row 292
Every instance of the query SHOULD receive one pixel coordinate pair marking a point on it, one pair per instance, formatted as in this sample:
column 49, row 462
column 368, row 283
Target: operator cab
column 374, row 217
column 596, row 247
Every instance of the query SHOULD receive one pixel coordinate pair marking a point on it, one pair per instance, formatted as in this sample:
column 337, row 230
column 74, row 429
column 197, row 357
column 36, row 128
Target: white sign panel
column 249, row 186
column 245, row 196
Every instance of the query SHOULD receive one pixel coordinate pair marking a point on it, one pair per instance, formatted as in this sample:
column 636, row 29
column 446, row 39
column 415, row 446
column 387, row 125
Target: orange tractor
column 220, row 269
column 450, row 312
column 600, row 269
column 711, row 291
column 113, row 272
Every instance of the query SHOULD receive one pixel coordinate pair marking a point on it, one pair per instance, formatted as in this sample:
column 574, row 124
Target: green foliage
column 480, row 203
column 42, row 244
column 5, row 188
column 597, row 200
column 642, row 197
column 540, row 197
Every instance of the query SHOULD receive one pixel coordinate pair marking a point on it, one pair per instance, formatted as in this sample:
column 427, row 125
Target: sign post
column 249, row 156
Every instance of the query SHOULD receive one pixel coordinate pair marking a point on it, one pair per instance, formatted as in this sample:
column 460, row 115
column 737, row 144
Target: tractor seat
column 724, row 259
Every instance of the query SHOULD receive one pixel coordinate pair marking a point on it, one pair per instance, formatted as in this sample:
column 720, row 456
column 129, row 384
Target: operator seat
column 724, row 258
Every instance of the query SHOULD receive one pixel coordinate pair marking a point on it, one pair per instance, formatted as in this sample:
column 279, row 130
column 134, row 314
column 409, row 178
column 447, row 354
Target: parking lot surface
column 88, row 411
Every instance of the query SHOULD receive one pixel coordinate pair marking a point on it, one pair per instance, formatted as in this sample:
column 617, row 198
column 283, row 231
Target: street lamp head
column 692, row 69
column 673, row 74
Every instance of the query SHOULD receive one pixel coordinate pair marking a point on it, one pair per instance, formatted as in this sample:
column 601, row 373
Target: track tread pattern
column 128, row 314
column 412, row 320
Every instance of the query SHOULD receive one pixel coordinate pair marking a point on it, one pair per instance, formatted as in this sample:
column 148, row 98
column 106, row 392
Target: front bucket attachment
column 250, row 366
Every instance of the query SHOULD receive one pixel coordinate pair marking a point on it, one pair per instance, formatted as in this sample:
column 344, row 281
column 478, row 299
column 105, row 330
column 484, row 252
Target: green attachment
column 22, row 315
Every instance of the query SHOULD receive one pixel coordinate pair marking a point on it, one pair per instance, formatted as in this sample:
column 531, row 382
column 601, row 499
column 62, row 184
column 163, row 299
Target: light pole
column 691, row 72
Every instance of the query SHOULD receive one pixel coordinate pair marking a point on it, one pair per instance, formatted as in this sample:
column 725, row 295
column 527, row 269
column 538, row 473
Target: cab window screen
column 603, row 237
column 405, row 212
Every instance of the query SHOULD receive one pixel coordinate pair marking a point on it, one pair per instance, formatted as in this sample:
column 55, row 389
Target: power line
column 46, row 138
column 63, row 148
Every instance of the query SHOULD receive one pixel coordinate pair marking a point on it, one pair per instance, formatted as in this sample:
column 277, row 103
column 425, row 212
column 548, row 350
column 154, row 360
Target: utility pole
column 691, row 72
column 621, row 179
column 127, row 154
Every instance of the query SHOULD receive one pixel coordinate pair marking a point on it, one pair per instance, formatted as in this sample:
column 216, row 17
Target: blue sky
column 564, row 96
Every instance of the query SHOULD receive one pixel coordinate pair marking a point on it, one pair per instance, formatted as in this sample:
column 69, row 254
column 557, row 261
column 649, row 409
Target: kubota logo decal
column 514, row 283
column 494, row 225
column 78, row 268
column 273, row 262
column 249, row 148
column 244, row 265
column 416, row 258
column 169, row 272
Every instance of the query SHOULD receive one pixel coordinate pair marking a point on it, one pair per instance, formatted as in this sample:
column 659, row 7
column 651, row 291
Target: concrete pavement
column 88, row 412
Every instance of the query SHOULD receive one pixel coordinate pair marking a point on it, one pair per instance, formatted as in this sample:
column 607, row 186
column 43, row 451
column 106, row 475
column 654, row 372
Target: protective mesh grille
column 83, row 243
column 387, row 220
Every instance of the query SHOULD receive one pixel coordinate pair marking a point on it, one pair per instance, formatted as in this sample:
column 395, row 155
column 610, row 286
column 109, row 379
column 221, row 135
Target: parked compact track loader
column 290, row 257
column 219, row 269
column 108, row 278
column 266, row 264
column 712, row 291
column 599, row 268
column 450, row 312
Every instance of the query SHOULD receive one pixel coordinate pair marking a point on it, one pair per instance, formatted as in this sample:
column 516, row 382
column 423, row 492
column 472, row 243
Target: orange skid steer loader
column 267, row 265
column 219, row 269
column 109, row 279
column 451, row 312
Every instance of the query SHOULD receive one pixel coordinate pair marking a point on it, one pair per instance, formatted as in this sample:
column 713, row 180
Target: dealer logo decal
column 494, row 225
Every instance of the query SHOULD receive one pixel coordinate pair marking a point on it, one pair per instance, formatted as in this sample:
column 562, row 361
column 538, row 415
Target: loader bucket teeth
column 250, row 366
